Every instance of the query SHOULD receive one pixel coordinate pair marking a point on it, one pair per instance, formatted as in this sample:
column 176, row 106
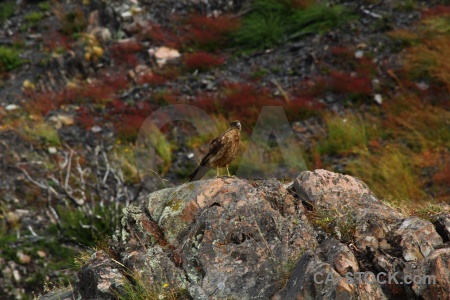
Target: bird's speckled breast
column 229, row 150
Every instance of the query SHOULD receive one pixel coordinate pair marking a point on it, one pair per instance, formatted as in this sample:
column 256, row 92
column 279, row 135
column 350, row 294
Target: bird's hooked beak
column 236, row 124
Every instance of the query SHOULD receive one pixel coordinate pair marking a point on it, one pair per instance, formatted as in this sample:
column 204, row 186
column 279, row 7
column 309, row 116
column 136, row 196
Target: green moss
column 83, row 227
column 271, row 22
column 9, row 59
column 45, row 6
column 6, row 10
column 45, row 132
column 34, row 17
column 74, row 22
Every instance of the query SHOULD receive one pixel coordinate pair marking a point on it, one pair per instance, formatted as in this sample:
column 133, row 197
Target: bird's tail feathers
column 198, row 173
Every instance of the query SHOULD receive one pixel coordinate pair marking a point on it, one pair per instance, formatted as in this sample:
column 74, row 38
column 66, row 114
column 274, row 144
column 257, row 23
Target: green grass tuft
column 9, row 59
column 272, row 22
column 347, row 134
column 34, row 17
column 390, row 172
column 6, row 10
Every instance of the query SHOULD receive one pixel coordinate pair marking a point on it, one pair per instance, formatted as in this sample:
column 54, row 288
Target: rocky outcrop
column 325, row 236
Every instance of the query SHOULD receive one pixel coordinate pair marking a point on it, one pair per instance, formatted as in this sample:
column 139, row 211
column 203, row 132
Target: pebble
column 52, row 150
column 126, row 16
column 23, row 258
column 378, row 98
column 10, row 107
column 163, row 54
column 96, row 129
column 359, row 54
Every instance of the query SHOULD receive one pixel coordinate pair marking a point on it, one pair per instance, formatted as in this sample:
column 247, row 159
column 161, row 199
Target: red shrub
column 117, row 81
column 97, row 93
column 42, row 103
column 438, row 10
column 162, row 36
column 302, row 107
column 365, row 66
column 207, row 31
column 348, row 84
column 207, row 102
column 151, row 79
column 57, row 40
column 125, row 52
column 127, row 126
column 442, row 177
column 127, row 47
column 343, row 52
column 85, row 118
column 201, row 61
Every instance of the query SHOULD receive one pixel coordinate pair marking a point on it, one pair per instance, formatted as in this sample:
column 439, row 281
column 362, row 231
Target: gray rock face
column 223, row 236
column 99, row 278
column 235, row 239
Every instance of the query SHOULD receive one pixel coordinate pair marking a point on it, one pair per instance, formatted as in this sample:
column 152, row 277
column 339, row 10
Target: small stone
column 359, row 54
column 126, row 15
column 52, row 150
column 105, row 34
column 163, row 54
column 23, row 258
column 422, row 86
column 135, row 10
column 378, row 99
column 28, row 85
column 61, row 119
column 297, row 127
column 41, row 253
column 10, row 107
column 361, row 46
column 16, row 275
column 34, row 36
column 12, row 218
column 96, row 129
column 376, row 85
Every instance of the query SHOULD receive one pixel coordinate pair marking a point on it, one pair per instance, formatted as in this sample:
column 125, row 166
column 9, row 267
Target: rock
column 221, row 234
column 442, row 224
column 99, row 278
column 232, row 238
column 127, row 16
column 359, row 54
column 353, row 205
column 96, row 129
column 431, row 276
column 164, row 54
column 11, row 107
column 378, row 98
column 61, row 119
column 23, row 258
column 418, row 238
column 314, row 279
column 58, row 295
column 339, row 256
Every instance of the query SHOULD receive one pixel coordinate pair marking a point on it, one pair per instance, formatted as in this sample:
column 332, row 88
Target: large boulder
column 238, row 239
column 225, row 237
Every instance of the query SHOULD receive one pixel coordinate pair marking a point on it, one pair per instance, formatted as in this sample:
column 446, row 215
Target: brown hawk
column 222, row 150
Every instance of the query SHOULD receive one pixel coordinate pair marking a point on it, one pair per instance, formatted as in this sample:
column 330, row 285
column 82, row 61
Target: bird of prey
column 222, row 150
